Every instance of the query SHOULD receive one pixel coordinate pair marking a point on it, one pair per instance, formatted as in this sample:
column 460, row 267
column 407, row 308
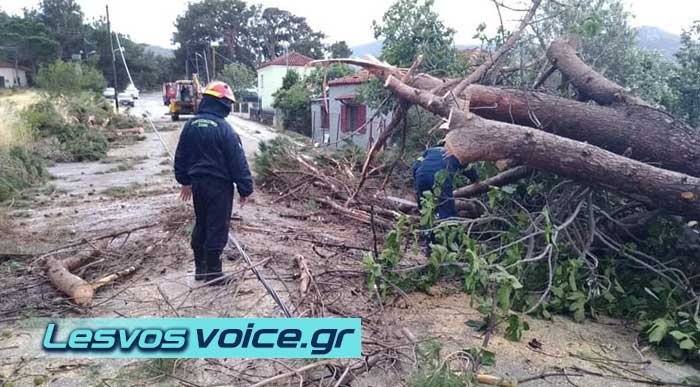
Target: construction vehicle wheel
column 175, row 117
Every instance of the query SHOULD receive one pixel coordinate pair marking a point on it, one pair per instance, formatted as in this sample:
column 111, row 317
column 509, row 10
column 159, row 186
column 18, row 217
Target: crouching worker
column 425, row 170
column 208, row 162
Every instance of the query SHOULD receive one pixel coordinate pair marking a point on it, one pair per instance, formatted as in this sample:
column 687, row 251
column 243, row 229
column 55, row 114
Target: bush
column 90, row 109
column 69, row 78
column 77, row 141
column 124, row 121
column 293, row 102
column 273, row 155
column 19, row 169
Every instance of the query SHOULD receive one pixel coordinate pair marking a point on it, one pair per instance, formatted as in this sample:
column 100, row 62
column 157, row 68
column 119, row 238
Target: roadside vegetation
column 64, row 121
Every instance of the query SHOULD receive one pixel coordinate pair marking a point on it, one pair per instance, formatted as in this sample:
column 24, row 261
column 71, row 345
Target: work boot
column 214, row 265
column 200, row 265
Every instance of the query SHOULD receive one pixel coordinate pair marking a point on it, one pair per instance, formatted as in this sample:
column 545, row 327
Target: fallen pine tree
column 610, row 203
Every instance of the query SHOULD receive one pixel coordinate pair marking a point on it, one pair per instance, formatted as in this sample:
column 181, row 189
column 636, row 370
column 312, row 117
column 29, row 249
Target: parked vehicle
column 108, row 92
column 125, row 99
column 131, row 89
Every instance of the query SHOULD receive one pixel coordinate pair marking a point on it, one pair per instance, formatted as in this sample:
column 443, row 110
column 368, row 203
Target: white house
column 346, row 119
column 12, row 77
column 271, row 74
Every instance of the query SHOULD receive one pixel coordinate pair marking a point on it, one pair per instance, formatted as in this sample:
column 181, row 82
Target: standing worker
column 209, row 160
column 425, row 170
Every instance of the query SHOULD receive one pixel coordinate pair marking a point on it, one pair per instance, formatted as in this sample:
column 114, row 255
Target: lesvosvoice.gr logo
column 204, row 338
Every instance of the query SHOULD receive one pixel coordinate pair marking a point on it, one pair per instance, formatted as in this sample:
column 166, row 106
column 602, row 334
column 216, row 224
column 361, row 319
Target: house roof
column 11, row 66
column 352, row 79
column 289, row 59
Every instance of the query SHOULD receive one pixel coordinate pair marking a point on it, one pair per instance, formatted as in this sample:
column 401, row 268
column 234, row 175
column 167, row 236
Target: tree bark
column 489, row 140
column 59, row 273
column 589, row 83
column 639, row 132
column 636, row 131
column 503, row 178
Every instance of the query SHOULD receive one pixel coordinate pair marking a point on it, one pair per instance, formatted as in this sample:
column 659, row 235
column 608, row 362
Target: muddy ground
column 94, row 206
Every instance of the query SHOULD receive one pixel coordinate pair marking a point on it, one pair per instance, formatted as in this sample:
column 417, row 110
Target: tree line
column 226, row 32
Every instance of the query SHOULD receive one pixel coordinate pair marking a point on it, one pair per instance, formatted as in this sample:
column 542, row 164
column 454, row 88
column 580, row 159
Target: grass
column 12, row 130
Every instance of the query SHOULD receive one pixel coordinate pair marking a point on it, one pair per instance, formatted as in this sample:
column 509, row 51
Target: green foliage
column 69, row 78
column 271, row 156
column 293, row 101
column 240, row 77
column 339, row 50
column 616, row 287
column 410, row 28
column 434, row 371
column 78, row 142
column 290, row 79
column 686, row 81
column 29, row 34
column 245, row 34
column 19, row 169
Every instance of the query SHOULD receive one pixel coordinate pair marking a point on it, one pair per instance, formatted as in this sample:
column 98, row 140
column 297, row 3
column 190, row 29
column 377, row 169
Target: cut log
column 75, row 287
column 588, row 82
column 489, row 140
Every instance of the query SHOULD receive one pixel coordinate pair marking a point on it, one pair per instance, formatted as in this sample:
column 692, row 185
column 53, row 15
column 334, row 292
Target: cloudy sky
column 151, row 21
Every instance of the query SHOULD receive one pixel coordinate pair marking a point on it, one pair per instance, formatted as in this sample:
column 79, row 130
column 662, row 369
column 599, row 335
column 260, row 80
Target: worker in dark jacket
column 433, row 161
column 208, row 162
column 425, row 170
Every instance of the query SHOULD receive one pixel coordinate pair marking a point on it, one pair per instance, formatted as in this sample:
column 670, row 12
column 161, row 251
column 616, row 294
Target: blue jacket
column 209, row 146
column 434, row 160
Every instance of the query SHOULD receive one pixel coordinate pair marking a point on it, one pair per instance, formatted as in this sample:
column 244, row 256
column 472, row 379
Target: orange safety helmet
column 220, row 90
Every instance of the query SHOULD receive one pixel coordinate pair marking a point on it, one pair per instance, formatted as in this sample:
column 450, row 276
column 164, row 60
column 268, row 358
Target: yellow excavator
column 188, row 94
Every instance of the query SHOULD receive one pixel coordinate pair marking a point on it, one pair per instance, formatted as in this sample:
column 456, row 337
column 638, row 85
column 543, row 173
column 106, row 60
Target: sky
column 151, row 21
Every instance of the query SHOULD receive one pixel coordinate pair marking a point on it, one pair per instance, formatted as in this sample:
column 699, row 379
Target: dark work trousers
column 445, row 206
column 213, row 201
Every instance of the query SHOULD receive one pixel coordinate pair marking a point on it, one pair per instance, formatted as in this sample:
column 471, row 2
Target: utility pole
column 187, row 62
column 206, row 65
column 213, row 60
column 114, row 63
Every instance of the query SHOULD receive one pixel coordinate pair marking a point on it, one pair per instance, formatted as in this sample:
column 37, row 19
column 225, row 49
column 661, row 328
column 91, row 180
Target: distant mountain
column 373, row 48
column 648, row 37
column 159, row 51
column 654, row 38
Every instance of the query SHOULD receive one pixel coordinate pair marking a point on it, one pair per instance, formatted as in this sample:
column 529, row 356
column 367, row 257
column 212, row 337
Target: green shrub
column 276, row 154
column 77, row 141
column 19, row 169
column 69, row 78
column 89, row 108
column 123, row 121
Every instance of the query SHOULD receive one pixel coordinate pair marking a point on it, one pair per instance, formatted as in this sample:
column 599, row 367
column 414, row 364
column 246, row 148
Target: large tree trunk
column 639, row 132
column 588, row 82
column 482, row 139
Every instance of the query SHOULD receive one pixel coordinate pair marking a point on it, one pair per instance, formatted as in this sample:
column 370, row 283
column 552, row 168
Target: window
column 2, row 82
column 352, row 117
